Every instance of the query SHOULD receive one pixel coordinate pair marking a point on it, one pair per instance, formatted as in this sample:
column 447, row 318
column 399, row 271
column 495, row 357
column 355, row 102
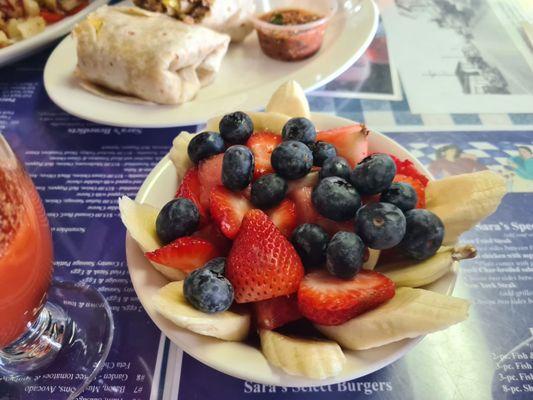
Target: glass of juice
column 46, row 328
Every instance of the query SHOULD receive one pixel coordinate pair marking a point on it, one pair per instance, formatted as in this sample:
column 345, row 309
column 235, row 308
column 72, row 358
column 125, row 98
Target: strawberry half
column 262, row 263
column 305, row 211
column 186, row 253
column 191, row 189
column 350, row 141
column 327, row 300
column 406, row 167
column 212, row 233
column 210, row 176
column 262, row 144
column 228, row 209
column 417, row 185
column 284, row 216
column 276, row 312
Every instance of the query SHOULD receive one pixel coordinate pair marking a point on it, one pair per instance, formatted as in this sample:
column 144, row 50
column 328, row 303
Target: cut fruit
column 462, row 201
column 228, row 209
column 415, row 274
column 210, row 176
column 373, row 257
column 316, row 359
column 289, row 99
column 228, row 325
column 284, row 217
column 305, row 211
column 417, row 186
column 263, row 121
column 212, row 233
column 310, row 180
column 190, row 188
column 276, row 312
column 350, row 141
column 262, row 144
column 178, row 153
column 410, row 313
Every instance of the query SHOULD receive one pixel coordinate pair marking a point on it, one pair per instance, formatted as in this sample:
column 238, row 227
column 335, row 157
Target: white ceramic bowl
column 240, row 359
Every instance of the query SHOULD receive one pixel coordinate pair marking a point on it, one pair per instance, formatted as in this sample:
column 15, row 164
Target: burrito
column 130, row 54
column 225, row 16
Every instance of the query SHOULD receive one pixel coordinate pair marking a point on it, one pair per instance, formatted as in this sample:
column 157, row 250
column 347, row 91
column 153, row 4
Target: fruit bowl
column 158, row 188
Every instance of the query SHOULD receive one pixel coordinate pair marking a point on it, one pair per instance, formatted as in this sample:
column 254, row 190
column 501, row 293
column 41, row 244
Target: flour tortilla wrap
column 225, row 16
column 138, row 54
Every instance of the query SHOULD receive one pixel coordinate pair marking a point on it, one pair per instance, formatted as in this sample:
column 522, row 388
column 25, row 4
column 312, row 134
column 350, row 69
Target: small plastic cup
column 293, row 42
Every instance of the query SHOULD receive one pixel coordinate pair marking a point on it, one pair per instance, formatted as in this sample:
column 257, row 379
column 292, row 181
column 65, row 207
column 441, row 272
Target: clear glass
column 50, row 332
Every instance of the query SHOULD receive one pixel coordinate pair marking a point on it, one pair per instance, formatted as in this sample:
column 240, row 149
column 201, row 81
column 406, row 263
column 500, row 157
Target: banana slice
column 290, row 100
column 316, row 359
column 464, row 200
column 263, row 121
column 139, row 220
column 410, row 313
column 373, row 257
column 178, row 153
column 228, row 325
column 407, row 273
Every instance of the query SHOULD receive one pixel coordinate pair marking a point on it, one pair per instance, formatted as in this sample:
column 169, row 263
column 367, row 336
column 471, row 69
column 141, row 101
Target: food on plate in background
column 133, row 55
column 21, row 19
column 292, row 34
column 255, row 235
column 224, row 16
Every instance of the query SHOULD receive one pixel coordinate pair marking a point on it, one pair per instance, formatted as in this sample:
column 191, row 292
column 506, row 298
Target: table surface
column 80, row 169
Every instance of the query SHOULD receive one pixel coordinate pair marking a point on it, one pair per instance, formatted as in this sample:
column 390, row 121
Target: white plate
column 29, row 46
column 239, row 359
column 246, row 80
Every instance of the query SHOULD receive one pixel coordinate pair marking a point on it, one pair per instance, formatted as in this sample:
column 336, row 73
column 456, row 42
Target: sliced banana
column 139, row 220
column 416, row 274
column 316, row 359
column 290, row 100
column 373, row 257
column 462, row 201
column 178, row 153
column 263, row 121
column 410, row 313
column 227, row 325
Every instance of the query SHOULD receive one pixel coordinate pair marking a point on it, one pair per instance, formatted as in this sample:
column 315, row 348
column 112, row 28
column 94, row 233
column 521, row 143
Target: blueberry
column 380, row 225
column 300, row 129
column 321, row 152
column 179, row 217
column 335, row 166
column 310, row 242
column 237, row 167
column 345, row 254
column 268, row 191
column 236, row 128
column 217, row 265
column 292, row 159
column 374, row 174
column 424, row 234
column 208, row 291
column 204, row 145
column 336, row 199
column 401, row 194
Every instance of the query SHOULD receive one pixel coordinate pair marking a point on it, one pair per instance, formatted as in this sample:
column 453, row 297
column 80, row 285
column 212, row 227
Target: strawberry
column 350, row 141
column 191, row 189
column 417, row 185
column 186, row 253
column 210, row 176
column 332, row 227
column 276, row 312
column 406, row 167
column 284, row 216
column 305, row 211
column 212, row 233
column 327, row 300
column 228, row 209
column 262, row 144
column 262, row 263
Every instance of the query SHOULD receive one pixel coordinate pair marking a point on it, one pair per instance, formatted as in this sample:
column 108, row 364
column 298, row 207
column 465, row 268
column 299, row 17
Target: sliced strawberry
column 262, row 144
column 228, row 209
column 350, row 141
column 185, row 253
column 284, row 216
column 305, row 211
column 332, row 227
column 406, row 167
column 212, row 233
column 191, row 189
column 417, row 185
column 210, row 176
column 369, row 198
column 310, row 180
column 276, row 312
column 327, row 300
column 262, row 263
